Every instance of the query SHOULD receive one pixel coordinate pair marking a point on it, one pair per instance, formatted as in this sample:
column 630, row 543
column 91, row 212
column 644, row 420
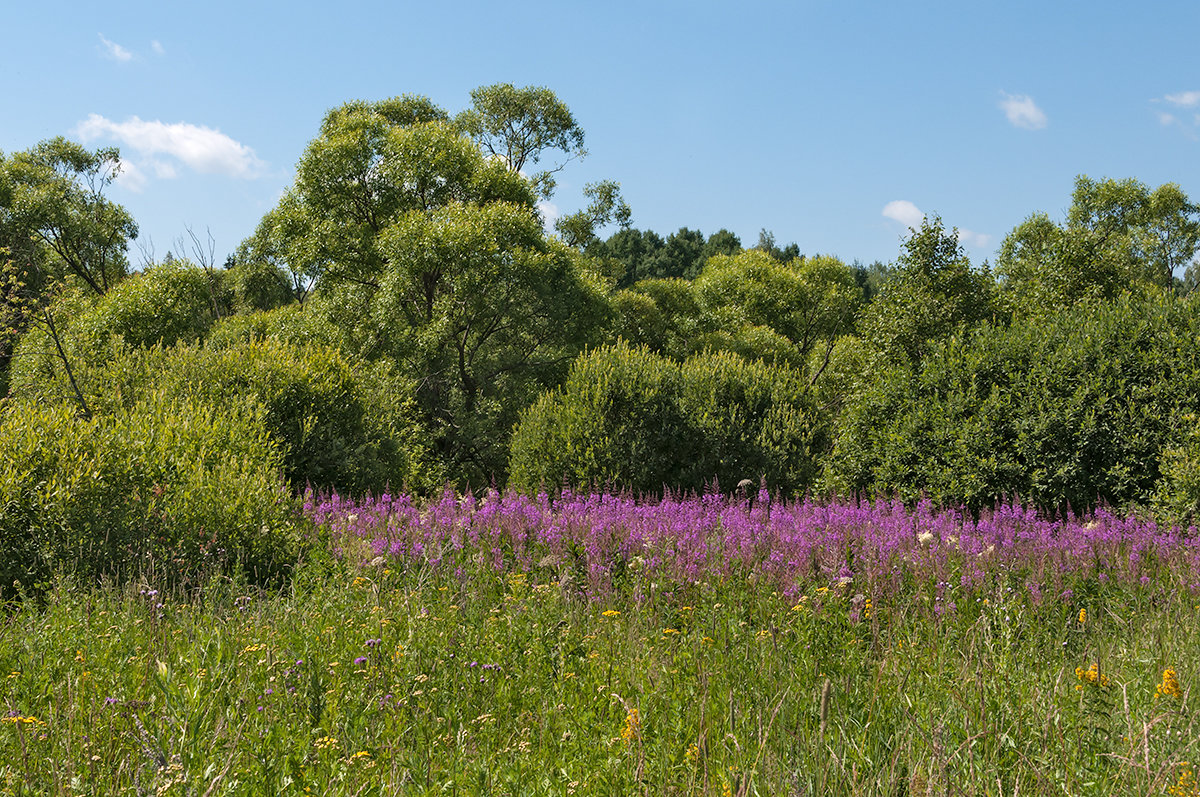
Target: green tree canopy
column 518, row 125
column 430, row 253
column 932, row 293
column 1118, row 235
column 55, row 219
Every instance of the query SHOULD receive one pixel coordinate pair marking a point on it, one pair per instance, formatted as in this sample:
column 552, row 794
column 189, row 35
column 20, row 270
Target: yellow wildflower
column 1091, row 675
column 1186, row 785
column 633, row 726
column 611, row 613
column 1169, row 686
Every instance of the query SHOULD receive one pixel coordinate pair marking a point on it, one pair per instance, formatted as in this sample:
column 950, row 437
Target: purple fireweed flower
column 361, row 660
column 785, row 546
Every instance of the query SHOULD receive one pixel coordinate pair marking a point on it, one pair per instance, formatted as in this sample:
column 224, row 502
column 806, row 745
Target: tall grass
column 595, row 645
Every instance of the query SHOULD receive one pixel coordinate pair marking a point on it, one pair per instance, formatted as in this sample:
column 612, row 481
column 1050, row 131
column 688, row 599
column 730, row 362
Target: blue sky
column 833, row 124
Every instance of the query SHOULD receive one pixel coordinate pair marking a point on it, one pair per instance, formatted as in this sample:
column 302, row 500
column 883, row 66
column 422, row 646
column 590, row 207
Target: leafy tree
column 607, row 207
column 431, row 254
column 630, row 249
column 646, row 255
column 767, row 245
column 803, row 301
column 933, row 293
column 519, row 125
column 721, row 242
column 1118, row 235
column 55, row 219
column 488, row 311
column 372, row 163
column 872, row 278
column 681, row 256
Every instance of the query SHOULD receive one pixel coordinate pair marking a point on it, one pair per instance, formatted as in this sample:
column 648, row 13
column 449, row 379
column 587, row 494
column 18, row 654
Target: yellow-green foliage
column 165, row 304
column 1178, row 497
column 168, row 485
column 291, row 323
column 630, row 419
column 337, row 426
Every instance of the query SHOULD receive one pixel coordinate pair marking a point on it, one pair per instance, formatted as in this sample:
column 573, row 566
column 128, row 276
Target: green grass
column 690, row 689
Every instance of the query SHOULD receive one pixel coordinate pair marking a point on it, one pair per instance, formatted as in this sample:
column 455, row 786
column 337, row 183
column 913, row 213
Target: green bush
column 257, row 285
column 1064, row 410
column 292, row 323
column 751, row 420
column 164, row 304
column 337, row 426
column 615, row 423
column 169, row 486
column 629, row 419
column 1178, row 497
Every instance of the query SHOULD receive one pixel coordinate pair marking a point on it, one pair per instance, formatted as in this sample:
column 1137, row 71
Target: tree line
column 403, row 318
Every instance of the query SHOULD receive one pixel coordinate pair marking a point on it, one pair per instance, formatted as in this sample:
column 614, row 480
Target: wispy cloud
column 975, row 240
column 1184, row 99
column 905, row 212
column 132, row 177
column 114, row 50
column 1022, row 111
column 203, row 149
column 911, row 216
column 157, row 47
column 550, row 214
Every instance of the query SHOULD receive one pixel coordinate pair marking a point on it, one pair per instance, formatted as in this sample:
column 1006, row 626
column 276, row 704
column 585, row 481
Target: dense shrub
column 615, row 422
column 256, row 285
column 750, row 419
column 629, row 419
column 1178, row 497
column 169, row 485
column 337, row 426
column 163, row 305
column 290, row 323
column 1066, row 410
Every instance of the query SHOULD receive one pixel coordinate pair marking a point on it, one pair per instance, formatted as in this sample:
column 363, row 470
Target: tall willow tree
column 429, row 252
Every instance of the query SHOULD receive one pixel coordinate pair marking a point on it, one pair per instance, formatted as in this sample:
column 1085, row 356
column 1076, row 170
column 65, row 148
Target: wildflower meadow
column 596, row 644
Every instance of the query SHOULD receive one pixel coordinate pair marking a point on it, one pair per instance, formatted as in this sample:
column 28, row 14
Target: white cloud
column 910, row 215
column 975, row 240
column 550, row 214
column 132, row 177
column 157, row 47
column 1184, row 99
column 1022, row 111
column 905, row 212
column 114, row 50
column 201, row 148
column 1166, row 118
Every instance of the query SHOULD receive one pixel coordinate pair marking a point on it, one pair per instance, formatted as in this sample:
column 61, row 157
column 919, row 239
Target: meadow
column 596, row 644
